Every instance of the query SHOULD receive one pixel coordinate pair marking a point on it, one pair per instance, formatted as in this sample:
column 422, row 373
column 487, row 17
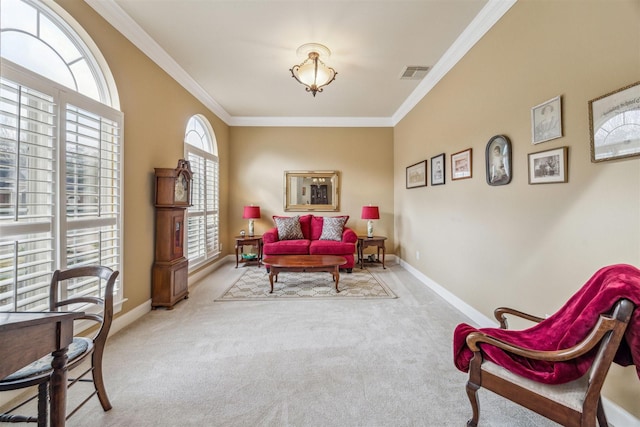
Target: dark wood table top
column 292, row 261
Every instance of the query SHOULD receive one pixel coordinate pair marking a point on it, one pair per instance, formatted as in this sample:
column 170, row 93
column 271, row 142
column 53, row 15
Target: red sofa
column 311, row 227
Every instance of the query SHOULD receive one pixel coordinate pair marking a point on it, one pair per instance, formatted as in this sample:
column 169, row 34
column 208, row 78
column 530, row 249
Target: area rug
column 254, row 284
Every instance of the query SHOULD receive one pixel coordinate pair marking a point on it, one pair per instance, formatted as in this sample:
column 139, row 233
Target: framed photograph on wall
column 498, row 160
column 548, row 167
column 614, row 124
column 546, row 121
column 417, row 175
column 438, row 169
column 461, row 167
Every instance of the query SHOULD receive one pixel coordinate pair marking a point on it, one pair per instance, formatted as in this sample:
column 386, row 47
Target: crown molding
column 488, row 16
column 312, row 121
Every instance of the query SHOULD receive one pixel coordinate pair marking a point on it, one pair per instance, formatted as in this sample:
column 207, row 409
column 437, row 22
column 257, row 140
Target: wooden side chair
column 98, row 310
column 576, row 403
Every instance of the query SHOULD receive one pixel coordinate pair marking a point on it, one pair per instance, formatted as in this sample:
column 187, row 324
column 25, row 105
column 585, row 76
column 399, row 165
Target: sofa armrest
column 270, row 236
column 349, row 236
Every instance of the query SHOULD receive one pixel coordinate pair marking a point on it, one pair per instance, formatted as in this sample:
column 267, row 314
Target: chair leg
column 98, row 381
column 43, row 403
column 475, row 404
column 602, row 418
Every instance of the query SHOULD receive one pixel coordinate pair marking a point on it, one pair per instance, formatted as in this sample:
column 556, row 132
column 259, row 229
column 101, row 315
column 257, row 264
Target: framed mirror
column 311, row 191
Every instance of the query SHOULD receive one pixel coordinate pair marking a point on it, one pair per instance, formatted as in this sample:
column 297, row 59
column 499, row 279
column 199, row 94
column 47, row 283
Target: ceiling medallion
column 312, row 72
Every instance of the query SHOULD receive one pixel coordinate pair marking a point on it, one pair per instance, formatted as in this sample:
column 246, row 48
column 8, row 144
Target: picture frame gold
column 311, row 191
column 614, row 124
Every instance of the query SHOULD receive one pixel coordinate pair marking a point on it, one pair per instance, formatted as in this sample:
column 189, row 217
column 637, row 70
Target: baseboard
column 617, row 416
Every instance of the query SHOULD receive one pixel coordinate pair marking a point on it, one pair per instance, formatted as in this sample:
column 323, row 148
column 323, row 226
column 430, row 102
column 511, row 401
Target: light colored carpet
column 254, row 284
column 304, row 363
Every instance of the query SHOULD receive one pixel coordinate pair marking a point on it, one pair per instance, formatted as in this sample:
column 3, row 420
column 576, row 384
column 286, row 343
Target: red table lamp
column 251, row 213
column 370, row 213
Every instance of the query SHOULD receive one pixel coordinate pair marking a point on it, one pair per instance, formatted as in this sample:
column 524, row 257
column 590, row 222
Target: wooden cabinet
column 171, row 269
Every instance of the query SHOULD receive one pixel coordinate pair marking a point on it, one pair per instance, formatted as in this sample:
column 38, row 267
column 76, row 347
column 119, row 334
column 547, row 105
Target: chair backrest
column 105, row 300
column 612, row 329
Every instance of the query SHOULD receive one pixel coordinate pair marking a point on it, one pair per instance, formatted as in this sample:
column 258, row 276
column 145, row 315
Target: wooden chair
column 98, row 310
column 576, row 403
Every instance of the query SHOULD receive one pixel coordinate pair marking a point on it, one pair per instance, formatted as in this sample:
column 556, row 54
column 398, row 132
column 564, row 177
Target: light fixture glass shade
column 312, row 72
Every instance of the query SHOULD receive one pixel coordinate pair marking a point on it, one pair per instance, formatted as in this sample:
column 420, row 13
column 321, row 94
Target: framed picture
column 548, row 167
column 546, row 121
column 614, row 124
column 437, row 169
column 461, row 167
column 498, row 160
column 417, row 175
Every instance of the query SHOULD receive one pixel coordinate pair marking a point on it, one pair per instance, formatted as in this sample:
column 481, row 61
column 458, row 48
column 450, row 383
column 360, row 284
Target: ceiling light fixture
column 312, row 72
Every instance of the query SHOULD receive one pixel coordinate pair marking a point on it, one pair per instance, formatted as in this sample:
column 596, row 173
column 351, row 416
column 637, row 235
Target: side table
column 255, row 241
column 364, row 242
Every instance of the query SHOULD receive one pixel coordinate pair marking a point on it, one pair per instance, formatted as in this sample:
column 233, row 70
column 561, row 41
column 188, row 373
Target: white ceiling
column 235, row 55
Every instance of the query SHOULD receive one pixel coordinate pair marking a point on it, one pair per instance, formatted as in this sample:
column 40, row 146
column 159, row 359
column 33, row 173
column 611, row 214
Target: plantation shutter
column 27, row 253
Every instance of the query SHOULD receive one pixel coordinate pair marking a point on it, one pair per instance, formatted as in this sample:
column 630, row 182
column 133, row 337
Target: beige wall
column 156, row 112
column 522, row 245
column 363, row 157
column 529, row 246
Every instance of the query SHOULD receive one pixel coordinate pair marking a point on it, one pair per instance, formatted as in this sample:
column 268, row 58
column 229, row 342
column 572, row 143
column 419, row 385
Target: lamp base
column 250, row 228
column 370, row 228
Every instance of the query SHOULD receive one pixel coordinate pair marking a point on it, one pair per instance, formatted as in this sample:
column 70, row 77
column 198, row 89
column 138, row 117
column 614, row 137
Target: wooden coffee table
column 304, row 263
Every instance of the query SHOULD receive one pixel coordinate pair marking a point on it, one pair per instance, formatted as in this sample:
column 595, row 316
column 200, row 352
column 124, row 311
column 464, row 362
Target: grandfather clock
column 171, row 268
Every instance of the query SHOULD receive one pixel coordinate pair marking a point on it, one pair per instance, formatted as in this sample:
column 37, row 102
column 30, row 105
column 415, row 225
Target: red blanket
column 568, row 326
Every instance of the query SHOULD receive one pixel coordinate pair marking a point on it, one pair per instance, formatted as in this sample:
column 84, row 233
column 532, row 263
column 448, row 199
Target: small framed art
column 437, row 169
column 546, row 121
column 548, row 167
column 498, row 160
column 417, row 175
column 614, row 124
column 461, row 167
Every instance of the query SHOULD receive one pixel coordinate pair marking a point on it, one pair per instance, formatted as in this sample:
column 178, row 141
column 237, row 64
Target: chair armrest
column 270, row 236
column 349, row 236
column 604, row 325
column 500, row 312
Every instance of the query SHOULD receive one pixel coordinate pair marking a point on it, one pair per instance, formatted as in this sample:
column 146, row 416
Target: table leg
column 58, row 388
column 336, row 276
column 361, row 254
column 383, row 252
column 272, row 274
column 236, row 255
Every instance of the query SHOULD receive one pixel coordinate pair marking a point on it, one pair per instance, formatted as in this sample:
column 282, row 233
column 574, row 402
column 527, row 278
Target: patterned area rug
column 254, row 284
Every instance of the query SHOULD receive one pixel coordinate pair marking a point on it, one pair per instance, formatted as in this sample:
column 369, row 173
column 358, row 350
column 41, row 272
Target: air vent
column 414, row 72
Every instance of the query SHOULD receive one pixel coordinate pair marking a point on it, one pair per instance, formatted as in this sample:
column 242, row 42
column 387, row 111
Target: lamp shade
column 251, row 212
column 370, row 212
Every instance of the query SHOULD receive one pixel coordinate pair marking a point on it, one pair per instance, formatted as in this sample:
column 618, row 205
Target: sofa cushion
column 287, row 247
column 332, row 228
column 331, row 247
column 288, row 228
column 317, row 223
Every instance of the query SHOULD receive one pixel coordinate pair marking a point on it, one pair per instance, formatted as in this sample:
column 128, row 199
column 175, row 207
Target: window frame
column 60, row 223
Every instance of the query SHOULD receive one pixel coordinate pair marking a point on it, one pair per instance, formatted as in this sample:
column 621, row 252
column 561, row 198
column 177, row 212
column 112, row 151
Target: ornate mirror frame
column 311, row 191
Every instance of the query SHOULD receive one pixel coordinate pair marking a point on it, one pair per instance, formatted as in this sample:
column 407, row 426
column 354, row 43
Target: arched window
column 60, row 155
column 203, row 234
